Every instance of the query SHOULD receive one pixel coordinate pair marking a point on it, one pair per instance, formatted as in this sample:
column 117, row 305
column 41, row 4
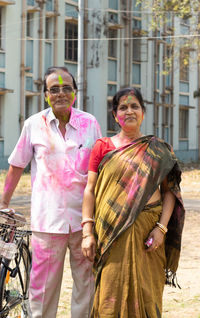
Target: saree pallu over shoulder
column 127, row 179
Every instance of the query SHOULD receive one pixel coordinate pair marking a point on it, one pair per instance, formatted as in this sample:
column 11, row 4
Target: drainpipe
column 55, row 34
column 85, row 57
column 126, row 44
column 22, row 67
column 155, row 123
column 80, row 53
column 172, row 94
column 40, row 51
column 164, row 88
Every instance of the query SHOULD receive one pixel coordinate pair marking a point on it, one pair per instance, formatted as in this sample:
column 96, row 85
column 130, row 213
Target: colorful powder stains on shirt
column 58, row 167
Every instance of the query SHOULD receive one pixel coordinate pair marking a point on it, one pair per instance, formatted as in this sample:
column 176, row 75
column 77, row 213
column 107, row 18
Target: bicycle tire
column 14, row 290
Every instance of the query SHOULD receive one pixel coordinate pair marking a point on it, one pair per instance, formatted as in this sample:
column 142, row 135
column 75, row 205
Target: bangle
column 86, row 220
column 86, row 235
column 162, row 228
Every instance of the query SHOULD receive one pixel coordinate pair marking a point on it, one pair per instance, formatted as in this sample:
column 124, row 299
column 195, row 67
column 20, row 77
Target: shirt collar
column 50, row 116
column 73, row 121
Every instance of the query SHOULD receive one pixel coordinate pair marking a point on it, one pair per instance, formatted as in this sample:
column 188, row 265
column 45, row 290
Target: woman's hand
column 89, row 247
column 158, row 237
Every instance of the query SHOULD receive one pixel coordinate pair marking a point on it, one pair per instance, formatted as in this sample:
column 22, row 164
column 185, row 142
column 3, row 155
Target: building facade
column 106, row 45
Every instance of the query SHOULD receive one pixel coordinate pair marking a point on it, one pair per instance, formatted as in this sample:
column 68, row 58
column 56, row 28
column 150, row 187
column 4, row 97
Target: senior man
column 57, row 141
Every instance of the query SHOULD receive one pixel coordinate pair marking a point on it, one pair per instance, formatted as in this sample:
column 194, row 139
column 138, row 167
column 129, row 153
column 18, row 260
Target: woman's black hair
column 127, row 91
column 55, row 69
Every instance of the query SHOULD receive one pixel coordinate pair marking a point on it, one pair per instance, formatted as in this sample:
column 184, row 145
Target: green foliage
column 161, row 16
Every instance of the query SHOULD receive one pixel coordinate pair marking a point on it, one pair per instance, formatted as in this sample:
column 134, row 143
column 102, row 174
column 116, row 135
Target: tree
column 163, row 12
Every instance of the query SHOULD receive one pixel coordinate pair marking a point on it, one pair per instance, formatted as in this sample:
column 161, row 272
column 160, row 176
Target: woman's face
column 129, row 113
column 60, row 92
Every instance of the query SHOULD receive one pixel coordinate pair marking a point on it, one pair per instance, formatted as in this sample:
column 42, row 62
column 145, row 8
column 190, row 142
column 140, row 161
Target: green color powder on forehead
column 130, row 97
column 60, row 79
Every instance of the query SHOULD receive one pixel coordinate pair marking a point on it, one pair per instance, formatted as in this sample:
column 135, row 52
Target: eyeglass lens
column 56, row 89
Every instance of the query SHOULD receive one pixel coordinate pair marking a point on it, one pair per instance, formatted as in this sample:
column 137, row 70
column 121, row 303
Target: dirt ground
column 177, row 303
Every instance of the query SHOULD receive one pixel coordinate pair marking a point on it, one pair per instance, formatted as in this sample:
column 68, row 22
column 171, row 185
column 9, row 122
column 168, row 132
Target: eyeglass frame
column 60, row 89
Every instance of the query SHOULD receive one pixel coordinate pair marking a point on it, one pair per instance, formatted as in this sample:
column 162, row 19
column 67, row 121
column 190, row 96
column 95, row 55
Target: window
column 137, row 8
column 31, row 2
column 166, row 124
column 158, row 65
column 29, row 24
column 48, row 54
column 111, row 123
column 184, row 65
column 113, row 4
column 183, row 123
column 48, row 33
column 1, row 28
column 1, row 120
column 136, row 50
column 49, row 5
column 29, row 55
column 71, row 11
column 112, row 44
column 28, row 107
column 184, row 100
column 112, row 89
column 71, row 43
column 136, row 58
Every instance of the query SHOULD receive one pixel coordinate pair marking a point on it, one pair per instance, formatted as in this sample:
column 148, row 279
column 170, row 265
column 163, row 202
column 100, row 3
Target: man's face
column 60, row 92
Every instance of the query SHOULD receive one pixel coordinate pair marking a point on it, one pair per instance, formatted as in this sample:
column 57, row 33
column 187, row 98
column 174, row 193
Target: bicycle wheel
column 14, row 283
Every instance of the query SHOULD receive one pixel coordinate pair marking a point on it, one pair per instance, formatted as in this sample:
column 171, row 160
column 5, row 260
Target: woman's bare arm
column 168, row 207
column 88, row 243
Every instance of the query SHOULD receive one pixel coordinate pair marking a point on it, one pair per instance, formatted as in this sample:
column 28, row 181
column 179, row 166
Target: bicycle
column 15, row 264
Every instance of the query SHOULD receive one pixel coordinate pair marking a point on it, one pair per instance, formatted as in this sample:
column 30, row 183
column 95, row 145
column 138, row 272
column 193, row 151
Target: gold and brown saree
column 130, row 281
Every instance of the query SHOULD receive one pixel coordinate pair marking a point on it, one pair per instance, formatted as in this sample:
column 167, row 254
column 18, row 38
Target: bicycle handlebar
column 16, row 218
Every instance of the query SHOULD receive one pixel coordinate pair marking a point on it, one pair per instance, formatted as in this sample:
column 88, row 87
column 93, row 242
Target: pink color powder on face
column 121, row 121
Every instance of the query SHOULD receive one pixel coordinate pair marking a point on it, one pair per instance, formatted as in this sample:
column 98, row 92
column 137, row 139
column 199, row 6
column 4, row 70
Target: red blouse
column 100, row 149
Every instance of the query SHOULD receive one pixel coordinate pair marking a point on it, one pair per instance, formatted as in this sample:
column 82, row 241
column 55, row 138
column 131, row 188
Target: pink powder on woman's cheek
column 121, row 121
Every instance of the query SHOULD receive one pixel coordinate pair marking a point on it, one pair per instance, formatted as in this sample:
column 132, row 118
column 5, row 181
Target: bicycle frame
column 11, row 294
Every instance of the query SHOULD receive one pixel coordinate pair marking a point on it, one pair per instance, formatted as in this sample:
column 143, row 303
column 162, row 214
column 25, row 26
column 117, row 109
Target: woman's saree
column 130, row 281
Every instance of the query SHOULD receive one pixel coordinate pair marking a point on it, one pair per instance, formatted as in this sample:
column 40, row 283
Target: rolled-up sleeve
column 23, row 151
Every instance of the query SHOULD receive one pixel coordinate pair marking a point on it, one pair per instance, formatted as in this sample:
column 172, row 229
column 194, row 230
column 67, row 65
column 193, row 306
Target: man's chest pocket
column 82, row 160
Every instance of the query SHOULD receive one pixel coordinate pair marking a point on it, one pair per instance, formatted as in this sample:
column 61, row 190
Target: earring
column 117, row 121
column 46, row 99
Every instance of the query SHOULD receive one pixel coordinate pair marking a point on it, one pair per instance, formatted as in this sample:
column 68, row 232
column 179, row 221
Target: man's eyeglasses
column 56, row 89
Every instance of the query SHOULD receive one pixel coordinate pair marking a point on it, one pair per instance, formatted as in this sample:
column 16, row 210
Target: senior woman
column 133, row 192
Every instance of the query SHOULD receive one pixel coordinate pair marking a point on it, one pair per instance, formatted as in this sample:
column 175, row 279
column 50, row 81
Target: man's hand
column 3, row 206
column 89, row 247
